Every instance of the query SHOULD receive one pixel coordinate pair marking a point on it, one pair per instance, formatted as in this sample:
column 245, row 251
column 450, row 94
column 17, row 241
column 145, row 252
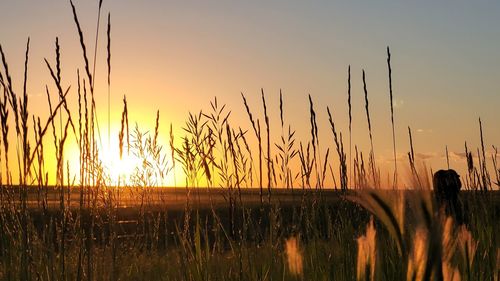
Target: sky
column 176, row 56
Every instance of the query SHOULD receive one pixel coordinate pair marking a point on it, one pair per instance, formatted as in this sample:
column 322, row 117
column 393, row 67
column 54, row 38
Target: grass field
column 293, row 226
column 197, row 235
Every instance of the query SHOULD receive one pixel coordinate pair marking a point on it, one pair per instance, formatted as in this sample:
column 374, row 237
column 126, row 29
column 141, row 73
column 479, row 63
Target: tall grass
column 350, row 121
column 373, row 169
column 287, row 150
column 395, row 179
column 340, row 152
column 88, row 227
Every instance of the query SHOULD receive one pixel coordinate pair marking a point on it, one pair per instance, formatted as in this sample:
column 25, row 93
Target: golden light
column 119, row 170
column 135, row 167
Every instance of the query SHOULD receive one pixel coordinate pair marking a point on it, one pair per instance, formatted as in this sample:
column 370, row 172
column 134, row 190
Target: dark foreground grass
column 212, row 241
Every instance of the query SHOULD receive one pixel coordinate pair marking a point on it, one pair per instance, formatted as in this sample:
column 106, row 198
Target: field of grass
column 219, row 226
column 198, row 235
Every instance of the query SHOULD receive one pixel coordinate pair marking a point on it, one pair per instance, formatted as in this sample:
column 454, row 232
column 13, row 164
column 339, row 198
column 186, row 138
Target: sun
column 118, row 169
column 130, row 169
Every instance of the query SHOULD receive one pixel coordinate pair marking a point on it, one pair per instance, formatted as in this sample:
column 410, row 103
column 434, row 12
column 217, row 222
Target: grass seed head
column 294, row 256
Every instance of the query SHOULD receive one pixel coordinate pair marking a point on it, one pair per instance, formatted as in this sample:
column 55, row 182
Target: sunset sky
column 176, row 56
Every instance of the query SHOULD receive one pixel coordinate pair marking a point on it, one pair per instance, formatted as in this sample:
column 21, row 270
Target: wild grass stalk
column 315, row 142
column 86, row 146
column 58, row 77
column 356, row 168
column 350, row 122
column 341, row 154
column 485, row 176
column 268, row 158
column 286, row 150
column 372, row 153
column 395, row 180
column 471, row 170
column 4, row 116
column 25, row 256
column 364, row 176
column 108, row 60
column 249, row 175
column 232, row 200
column 82, row 45
column 60, row 180
column 256, row 129
column 7, row 83
column 411, row 159
column 334, row 179
column 96, row 41
column 172, row 153
column 243, row 161
column 495, row 166
column 216, row 141
column 82, row 162
column 325, row 165
column 39, row 172
column 8, row 98
column 81, row 144
column 52, row 123
column 306, row 165
column 89, row 126
column 124, row 128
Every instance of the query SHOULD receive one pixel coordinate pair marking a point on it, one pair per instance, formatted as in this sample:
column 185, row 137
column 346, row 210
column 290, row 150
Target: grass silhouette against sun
column 109, row 222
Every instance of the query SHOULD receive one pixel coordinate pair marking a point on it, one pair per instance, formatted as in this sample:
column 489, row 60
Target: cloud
column 461, row 156
column 400, row 157
column 403, row 157
column 457, row 155
column 425, row 156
